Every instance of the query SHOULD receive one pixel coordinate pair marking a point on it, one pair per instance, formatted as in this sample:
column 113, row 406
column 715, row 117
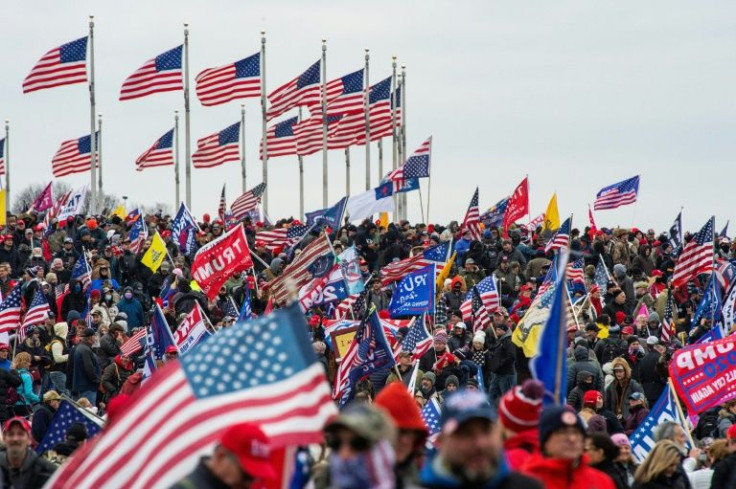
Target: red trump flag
column 220, row 259
column 518, row 205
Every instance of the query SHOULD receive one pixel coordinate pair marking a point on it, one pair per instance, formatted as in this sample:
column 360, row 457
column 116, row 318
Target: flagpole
column 264, row 129
column 380, row 159
column 176, row 159
column 324, row 123
column 421, row 201
column 673, row 393
column 347, row 171
column 429, row 179
column 92, row 117
column 187, row 122
column 242, row 145
column 367, row 103
column 402, row 197
column 394, row 155
column 300, row 159
column 7, row 165
column 99, row 151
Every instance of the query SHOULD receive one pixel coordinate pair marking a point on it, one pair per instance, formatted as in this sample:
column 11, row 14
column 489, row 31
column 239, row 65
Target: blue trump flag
column 549, row 366
column 246, row 312
column 65, row 416
column 643, row 439
column 182, row 227
column 159, row 334
column 331, row 216
column 414, row 294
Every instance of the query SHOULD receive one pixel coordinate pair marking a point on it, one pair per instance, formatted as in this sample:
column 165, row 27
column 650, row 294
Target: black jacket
column 41, row 421
column 503, row 356
column 8, row 378
column 652, row 376
column 200, row 478
column 724, row 472
column 614, row 472
column 32, row 475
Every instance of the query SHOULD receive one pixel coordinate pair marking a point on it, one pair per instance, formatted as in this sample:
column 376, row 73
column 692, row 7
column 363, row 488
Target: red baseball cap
column 171, row 349
column 251, row 447
column 18, row 419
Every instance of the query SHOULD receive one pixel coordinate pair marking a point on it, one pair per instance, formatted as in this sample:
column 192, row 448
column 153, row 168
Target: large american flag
column 241, row 79
column 351, row 128
column 2, row 156
column 561, row 238
column 10, row 310
column 437, row 255
column 160, row 154
column 302, row 90
column 485, row 295
column 417, row 165
column 36, row 311
column 309, row 134
column 247, row 202
column 618, row 194
column 297, row 272
column 383, row 125
column 417, row 341
column 575, row 272
column 64, row 65
column 281, row 237
column 696, row 256
column 218, row 148
column 66, row 415
column 133, row 345
column 184, row 408
column 472, row 218
column 160, row 74
column 281, row 139
column 344, row 95
column 74, row 156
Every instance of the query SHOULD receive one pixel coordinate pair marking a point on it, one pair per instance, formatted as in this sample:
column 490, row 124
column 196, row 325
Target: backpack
column 611, row 349
column 708, row 424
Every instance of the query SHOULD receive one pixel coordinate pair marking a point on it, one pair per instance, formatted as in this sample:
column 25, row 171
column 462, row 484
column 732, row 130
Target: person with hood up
column 585, row 383
column 518, row 414
column 451, row 385
column 626, row 284
column 561, row 462
column 132, row 307
column 617, row 394
column 638, row 411
column 456, row 295
column 115, row 375
column 583, row 363
column 502, row 363
column 75, row 300
column 460, row 337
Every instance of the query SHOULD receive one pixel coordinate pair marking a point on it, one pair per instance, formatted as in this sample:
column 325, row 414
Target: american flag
column 74, row 156
column 281, row 139
column 696, row 256
column 493, row 217
column 247, row 202
column 138, row 232
column 2, row 156
column 297, row 272
column 485, row 295
column 281, row 237
column 277, row 384
column 302, row 90
column 36, row 311
column 618, row 194
column 549, row 279
column 344, row 95
column 417, row 165
column 309, row 134
column 241, row 79
column 160, row 154
column 81, row 271
column 351, row 128
column 575, row 272
column 64, row 65
column 601, row 277
column 561, row 238
column 668, row 326
column 534, row 223
column 222, row 206
column 725, row 273
column 431, row 417
column 382, row 124
column 437, row 255
column 472, row 218
column 134, row 344
column 160, row 74
column 345, row 307
column 10, row 310
column 417, row 341
column 66, row 415
column 218, row 148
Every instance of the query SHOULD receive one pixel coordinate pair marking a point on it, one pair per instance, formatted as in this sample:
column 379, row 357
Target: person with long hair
column 603, row 453
column 701, row 478
column 661, row 468
column 625, row 460
column 24, row 405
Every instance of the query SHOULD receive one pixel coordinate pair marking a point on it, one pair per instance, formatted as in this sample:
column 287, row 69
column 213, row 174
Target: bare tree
column 26, row 196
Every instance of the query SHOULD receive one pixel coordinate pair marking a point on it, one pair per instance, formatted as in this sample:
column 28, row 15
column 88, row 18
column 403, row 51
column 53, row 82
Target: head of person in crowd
column 561, row 433
column 672, row 431
column 17, row 439
column 458, row 329
column 361, row 440
column 593, row 400
column 440, row 340
column 731, row 437
column 663, row 461
column 426, row 386
column 591, row 331
column 624, row 447
column 451, row 384
column 171, row 353
column 412, row 432
column 601, row 449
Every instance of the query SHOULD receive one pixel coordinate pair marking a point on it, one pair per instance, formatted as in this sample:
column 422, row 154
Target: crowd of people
column 493, row 430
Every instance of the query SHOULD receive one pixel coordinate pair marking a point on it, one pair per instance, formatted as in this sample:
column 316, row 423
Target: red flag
column 518, row 205
column 593, row 227
column 44, row 200
column 220, row 259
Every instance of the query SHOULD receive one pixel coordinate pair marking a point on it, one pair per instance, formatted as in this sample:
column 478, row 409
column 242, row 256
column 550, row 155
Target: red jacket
column 564, row 474
column 520, row 447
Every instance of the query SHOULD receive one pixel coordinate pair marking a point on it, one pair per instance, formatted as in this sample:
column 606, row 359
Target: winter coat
column 583, row 363
column 575, row 398
column 109, row 348
column 25, row 391
column 73, row 301
column 33, row 474
column 677, row 481
column 724, row 473
column 617, row 394
column 41, row 421
column 520, row 447
column 434, row 476
column 652, row 376
column 566, row 474
column 617, row 475
column 609, row 348
column 134, row 310
column 113, row 378
column 503, row 356
column 86, row 373
column 636, row 416
column 8, row 378
column 456, row 342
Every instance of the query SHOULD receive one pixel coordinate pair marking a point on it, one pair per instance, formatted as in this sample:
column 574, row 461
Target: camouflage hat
column 366, row 421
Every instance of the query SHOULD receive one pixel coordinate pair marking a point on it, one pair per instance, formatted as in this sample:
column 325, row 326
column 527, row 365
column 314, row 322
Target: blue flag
column 643, row 439
column 549, row 366
column 710, row 305
column 408, row 185
column 414, row 294
column 65, row 416
column 349, row 261
column 493, row 217
column 182, row 227
column 159, row 334
column 246, row 312
column 331, row 216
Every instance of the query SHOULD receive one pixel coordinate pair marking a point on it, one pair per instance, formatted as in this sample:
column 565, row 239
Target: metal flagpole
column 264, row 129
column 300, row 158
column 347, row 171
column 403, row 135
column 242, row 144
column 324, row 123
column 99, row 151
column 429, row 179
column 380, row 159
column 399, row 150
column 92, row 118
column 187, row 122
column 367, row 103
column 7, row 165
column 176, row 160
column 394, row 155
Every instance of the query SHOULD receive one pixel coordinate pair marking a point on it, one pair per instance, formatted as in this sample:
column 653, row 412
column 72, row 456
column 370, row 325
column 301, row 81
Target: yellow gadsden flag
column 119, row 211
column 155, row 254
column 445, row 273
column 552, row 218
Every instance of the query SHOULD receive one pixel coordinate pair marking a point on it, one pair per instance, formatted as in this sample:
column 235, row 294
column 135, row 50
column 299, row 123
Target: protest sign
column 414, row 295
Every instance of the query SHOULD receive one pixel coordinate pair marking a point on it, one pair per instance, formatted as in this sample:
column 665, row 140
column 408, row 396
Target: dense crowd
column 493, row 429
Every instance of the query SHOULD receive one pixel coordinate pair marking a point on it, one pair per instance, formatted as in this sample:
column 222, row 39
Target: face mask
column 77, row 288
column 108, row 297
column 128, row 295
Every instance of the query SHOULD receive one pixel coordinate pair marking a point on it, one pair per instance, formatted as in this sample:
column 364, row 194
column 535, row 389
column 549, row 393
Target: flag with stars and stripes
column 238, row 80
column 350, row 130
column 329, row 287
column 138, row 232
column 75, row 156
column 575, row 273
column 66, row 415
column 281, row 237
column 231, row 309
column 309, row 133
column 298, row 270
column 305, row 89
column 710, row 307
column 134, row 344
column 247, row 202
column 281, row 139
column 561, row 238
column 471, row 223
column 601, row 277
column 618, row 194
column 493, row 217
column 10, row 310
column 344, row 95
column 159, row 334
column 64, row 65
column 431, row 416
column 81, row 271
column 345, row 308
column 160, row 154
column 2, row 158
column 643, row 439
column 259, row 370
column 485, row 295
column 417, row 165
column 218, row 148
column 36, row 313
column 434, row 255
column 417, row 341
column 696, row 256
column 160, row 74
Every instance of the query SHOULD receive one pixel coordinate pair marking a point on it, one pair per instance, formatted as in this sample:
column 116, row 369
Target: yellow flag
column 155, row 254
column 2, row 207
column 383, row 219
column 445, row 273
column 552, row 217
column 119, row 211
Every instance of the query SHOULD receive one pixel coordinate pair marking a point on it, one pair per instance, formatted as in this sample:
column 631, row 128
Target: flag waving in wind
column 561, row 238
column 472, row 219
column 64, row 65
column 218, row 148
column 160, row 154
column 618, row 194
column 696, row 256
column 302, row 90
column 248, row 201
column 517, row 206
column 238, row 80
column 160, row 74
column 74, row 156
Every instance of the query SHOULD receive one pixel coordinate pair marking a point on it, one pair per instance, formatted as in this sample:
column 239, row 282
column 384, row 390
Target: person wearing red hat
column 518, row 413
column 19, row 464
column 239, row 460
column 171, row 353
column 724, row 471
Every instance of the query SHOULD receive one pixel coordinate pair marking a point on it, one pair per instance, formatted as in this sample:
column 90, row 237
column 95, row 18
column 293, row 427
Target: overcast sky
column 576, row 94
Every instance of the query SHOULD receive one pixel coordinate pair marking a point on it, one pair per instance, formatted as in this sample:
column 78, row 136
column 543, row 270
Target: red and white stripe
column 69, row 160
column 50, row 72
column 155, row 156
column 297, row 272
column 219, row 85
column 614, row 199
column 210, row 154
column 345, row 307
column 146, row 81
column 275, row 239
column 133, row 345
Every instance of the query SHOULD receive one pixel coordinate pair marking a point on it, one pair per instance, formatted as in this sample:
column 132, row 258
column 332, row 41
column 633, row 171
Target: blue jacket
column 26, row 389
column 134, row 310
column 435, row 476
column 461, row 246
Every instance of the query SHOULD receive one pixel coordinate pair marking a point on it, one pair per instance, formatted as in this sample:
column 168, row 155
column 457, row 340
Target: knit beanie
column 479, row 337
column 396, row 400
column 520, row 407
column 653, row 317
column 597, row 424
column 620, row 440
column 440, row 336
column 554, row 418
column 590, row 398
column 430, row 376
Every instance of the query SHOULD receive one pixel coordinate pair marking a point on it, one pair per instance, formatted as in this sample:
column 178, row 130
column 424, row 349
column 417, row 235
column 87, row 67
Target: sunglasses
column 357, row 443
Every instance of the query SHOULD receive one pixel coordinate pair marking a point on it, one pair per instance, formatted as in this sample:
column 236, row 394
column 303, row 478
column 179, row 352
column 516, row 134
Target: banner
column 329, row 288
column 704, row 374
column 75, row 204
column 643, row 439
column 218, row 260
column 518, row 205
column 729, row 309
column 191, row 331
column 414, row 295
